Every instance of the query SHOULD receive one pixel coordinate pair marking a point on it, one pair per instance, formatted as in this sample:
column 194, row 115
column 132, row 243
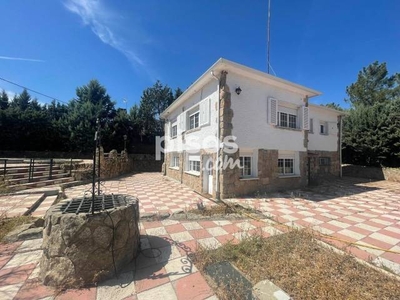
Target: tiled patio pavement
column 365, row 213
column 349, row 209
column 155, row 193
column 162, row 269
column 17, row 205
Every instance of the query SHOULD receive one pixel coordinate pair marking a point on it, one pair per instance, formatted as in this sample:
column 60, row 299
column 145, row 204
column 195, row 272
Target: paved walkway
column 18, row 204
column 162, row 269
column 155, row 192
column 21, row 204
column 367, row 213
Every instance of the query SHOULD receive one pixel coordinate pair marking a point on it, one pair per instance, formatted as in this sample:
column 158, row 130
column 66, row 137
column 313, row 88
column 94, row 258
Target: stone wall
column 390, row 174
column 114, row 164
column 268, row 179
column 193, row 181
column 320, row 172
column 145, row 163
column 80, row 250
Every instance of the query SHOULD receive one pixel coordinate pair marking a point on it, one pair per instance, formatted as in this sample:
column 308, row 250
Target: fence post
column 51, row 168
column 70, row 168
column 30, row 170
column 5, row 169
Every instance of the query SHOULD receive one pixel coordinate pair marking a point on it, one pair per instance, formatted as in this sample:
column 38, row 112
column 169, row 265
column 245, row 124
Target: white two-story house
column 237, row 131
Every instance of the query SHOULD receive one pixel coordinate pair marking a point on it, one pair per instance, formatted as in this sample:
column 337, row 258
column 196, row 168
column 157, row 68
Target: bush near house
column 371, row 135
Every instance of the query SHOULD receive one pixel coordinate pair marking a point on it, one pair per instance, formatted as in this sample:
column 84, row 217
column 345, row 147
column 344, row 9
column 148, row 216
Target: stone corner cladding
column 78, row 249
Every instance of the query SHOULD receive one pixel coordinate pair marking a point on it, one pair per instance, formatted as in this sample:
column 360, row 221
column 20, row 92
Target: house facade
column 237, row 131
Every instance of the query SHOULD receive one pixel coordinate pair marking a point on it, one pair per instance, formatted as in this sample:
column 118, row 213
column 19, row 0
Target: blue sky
column 127, row 45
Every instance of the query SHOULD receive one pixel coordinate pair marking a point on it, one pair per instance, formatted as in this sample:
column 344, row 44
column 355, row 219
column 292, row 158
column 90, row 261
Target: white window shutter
column 326, row 128
column 202, row 110
column 182, row 123
column 167, row 128
column 208, row 111
column 178, row 123
column 306, row 119
column 273, row 111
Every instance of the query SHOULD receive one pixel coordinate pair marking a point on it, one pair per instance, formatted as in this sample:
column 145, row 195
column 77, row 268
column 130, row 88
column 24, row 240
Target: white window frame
column 288, row 115
column 322, row 128
column 290, row 122
column 174, row 133
column 284, row 162
column 253, row 156
column 243, row 167
column 175, row 161
column 281, row 119
column 287, row 157
column 194, row 116
column 287, row 120
column 193, row 164
column 325, row 127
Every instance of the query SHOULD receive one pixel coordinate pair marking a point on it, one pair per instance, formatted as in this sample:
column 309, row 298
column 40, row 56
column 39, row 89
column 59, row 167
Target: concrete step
column 25, row 169
column 20, row 204
column 41, row 210
column 24, row 186
column 35, row 174
column 37, row 178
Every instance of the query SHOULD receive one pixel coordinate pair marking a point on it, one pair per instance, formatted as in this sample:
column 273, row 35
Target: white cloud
column 103, row 22
column 10, row 94
column 21, row 58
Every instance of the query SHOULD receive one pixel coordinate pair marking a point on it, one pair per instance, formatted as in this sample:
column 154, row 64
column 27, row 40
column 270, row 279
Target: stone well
column 81, row 248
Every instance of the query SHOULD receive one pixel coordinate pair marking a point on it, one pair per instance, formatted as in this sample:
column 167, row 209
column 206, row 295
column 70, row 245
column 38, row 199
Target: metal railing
column 33, row 166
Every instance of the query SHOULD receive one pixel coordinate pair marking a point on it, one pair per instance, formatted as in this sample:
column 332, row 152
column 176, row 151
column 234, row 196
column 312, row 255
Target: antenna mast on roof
column 268, row 33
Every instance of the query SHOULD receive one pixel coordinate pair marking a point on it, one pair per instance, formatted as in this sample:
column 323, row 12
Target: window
column 323, row 128
column 248, row 160
column 194, row 120
column 283, row 122
column 287, row 120
column 174, row 131
column 245, row 164
column 324, row 161
column 286, row 166
column 292, row 121
column 194, row 165
column 175, row 161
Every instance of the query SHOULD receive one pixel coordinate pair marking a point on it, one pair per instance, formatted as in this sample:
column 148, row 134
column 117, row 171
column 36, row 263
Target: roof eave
column 339, row 112
column 222, row 63
column 187, row 93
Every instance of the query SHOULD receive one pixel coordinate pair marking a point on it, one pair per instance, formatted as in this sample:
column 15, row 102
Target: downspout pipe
column 217, row 192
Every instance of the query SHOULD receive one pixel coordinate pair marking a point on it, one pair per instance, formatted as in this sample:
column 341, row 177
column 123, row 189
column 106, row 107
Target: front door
column 208, row 175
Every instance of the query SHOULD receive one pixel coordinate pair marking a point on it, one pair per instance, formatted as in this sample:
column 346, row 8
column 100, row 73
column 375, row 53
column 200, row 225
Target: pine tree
column 372, row 128
column 21, row 101
column 3, row 100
